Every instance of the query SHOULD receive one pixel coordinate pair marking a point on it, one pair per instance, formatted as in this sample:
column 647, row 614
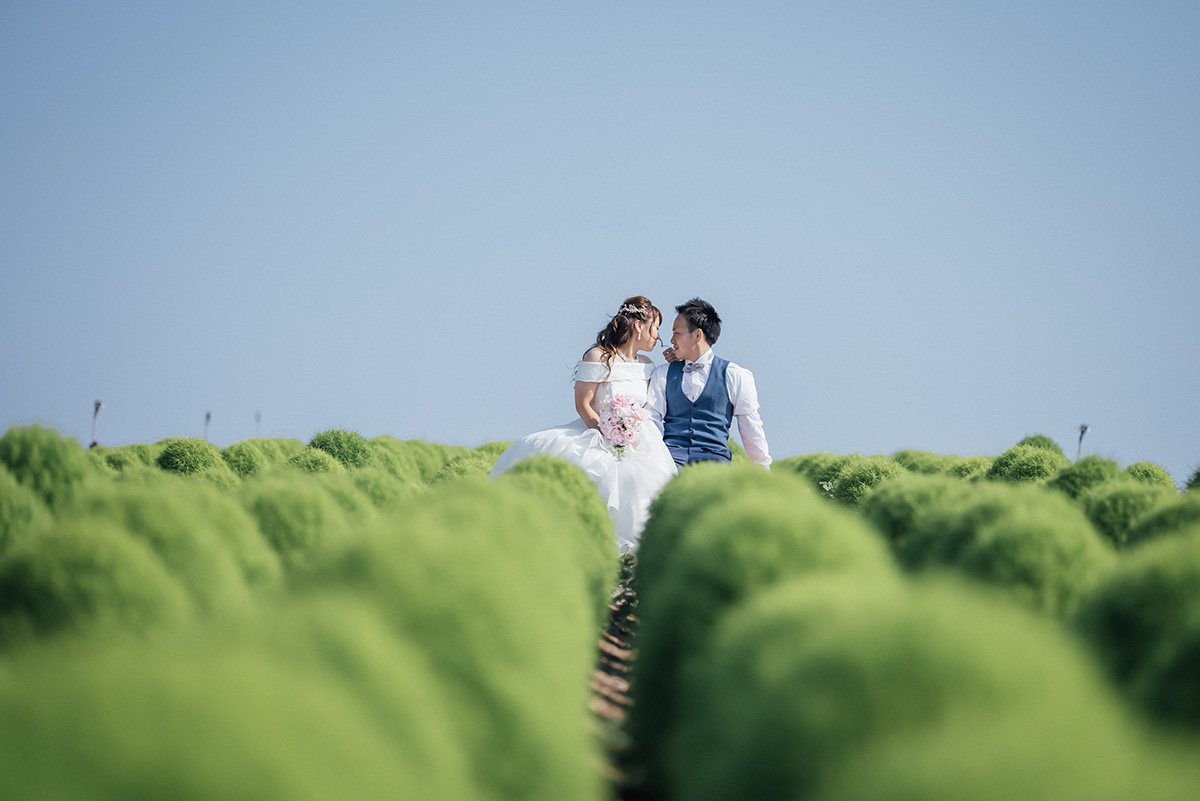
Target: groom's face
column 686, row 343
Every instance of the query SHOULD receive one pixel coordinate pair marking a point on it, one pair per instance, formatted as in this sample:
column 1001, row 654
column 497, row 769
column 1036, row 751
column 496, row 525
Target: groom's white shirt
column 739, row 383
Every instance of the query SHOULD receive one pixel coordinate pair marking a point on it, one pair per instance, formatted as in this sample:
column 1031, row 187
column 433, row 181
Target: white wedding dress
column 627, row 485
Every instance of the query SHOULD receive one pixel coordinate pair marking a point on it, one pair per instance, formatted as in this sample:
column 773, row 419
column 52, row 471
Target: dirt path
column 610, row 685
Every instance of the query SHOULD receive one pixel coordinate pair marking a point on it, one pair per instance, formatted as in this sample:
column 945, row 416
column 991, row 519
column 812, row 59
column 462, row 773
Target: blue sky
column 926, row 225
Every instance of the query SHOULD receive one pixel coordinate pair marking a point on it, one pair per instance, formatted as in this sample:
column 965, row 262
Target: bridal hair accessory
column 621, row 422
column 632, row 311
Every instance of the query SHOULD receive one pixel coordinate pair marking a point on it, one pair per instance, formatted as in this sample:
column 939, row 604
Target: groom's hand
column 669, row 355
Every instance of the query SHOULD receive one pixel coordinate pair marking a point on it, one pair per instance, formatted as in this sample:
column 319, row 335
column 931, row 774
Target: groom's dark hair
column 700, row 314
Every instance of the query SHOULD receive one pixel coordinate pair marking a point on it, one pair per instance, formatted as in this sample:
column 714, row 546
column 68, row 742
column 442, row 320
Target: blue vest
column 697, row 432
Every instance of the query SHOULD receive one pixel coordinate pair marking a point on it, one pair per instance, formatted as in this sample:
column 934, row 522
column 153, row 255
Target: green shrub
column 414, row 460
column 804, row 680
column 1173, row 517
column 1025, row 463
column 20, row 510
column 1114, row 506
column 80, row 574
column 188, row 456
column 1036, row 546
column 1151, row 474
column 341, row 711
column 893, row 505
column 244, row 458
column 1043, row 442
column 1016, row 753
column 315, row 460
column 682, row 500
column 1084, row 474
column 471, row 465
column 857, row 475
column 557, row 481
column 53, row 467
column 925, row 462
column 1144, row 623
column 382, row 488
column 348, row 447
column 482, row 577
column 176, row 529
column 296, row 515
column 277, row 450
column 492, row 449
column 128, row 456
column 812, row 467
column 972, row 468
column 730, row 551
column 1194, row 481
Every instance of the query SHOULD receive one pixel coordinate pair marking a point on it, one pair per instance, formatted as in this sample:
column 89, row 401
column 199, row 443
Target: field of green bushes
column 373, row 618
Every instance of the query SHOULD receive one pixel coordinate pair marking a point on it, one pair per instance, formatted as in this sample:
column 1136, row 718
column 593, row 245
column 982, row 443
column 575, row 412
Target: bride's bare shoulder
column 594, row 355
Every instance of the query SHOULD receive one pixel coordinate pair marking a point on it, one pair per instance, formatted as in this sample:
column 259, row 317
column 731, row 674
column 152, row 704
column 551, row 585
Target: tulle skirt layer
column 627, row 485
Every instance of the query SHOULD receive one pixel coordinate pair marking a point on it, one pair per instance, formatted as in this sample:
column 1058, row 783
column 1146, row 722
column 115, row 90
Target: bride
column 611, row 382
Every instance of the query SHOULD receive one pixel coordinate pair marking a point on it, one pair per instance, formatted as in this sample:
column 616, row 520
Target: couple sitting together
column 639, row 423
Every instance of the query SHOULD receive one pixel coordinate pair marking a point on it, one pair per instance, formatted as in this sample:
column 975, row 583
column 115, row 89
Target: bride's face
column 649, row 340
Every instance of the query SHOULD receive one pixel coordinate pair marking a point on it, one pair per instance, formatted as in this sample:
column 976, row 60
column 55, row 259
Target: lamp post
column 96, row 407
column 1082, row 430
column 207, row 418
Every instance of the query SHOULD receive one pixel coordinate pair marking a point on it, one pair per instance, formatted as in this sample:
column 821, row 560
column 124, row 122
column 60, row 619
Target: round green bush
column 81, row 574
column 482, row 577
column 1027, row 463
column 1114, row 506
column 682, row 500
column 1151, row 474
column 343, row 711
column 856, row 476
column 175, row 527
column 812, row 467
column 1173, row 517
column 471, row 465
column 296, row 516
column 20, row 510
column 348, row 447
column 729, row 552
column 415, row 460
column 805, row 678
column 893, row 505
column 53, row 467
column 127, row 457
column 1034, row 545
column 381, row 487
column 557, row 481
column 1148, row 603
column 925, row 462
column 1084, row 474
column 315, row 460
column 972, row 468
column 188, row 456
column 277, row 450
column 1017, row 753
column 244, row 458
column 1042, row 441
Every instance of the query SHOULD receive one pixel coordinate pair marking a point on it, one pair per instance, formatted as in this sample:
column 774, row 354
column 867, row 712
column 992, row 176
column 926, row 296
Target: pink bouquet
column 621, row 422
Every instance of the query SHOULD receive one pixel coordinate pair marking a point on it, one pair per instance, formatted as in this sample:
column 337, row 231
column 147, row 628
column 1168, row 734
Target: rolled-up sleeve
column 743, row 394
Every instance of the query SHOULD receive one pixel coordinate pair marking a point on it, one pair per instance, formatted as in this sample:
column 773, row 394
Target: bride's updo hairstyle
column 620, row 328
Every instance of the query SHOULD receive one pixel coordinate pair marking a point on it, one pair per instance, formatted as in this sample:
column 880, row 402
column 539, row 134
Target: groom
column 694, row 398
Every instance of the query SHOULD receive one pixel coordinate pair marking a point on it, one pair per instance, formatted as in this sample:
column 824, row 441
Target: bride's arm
column 585, row 393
